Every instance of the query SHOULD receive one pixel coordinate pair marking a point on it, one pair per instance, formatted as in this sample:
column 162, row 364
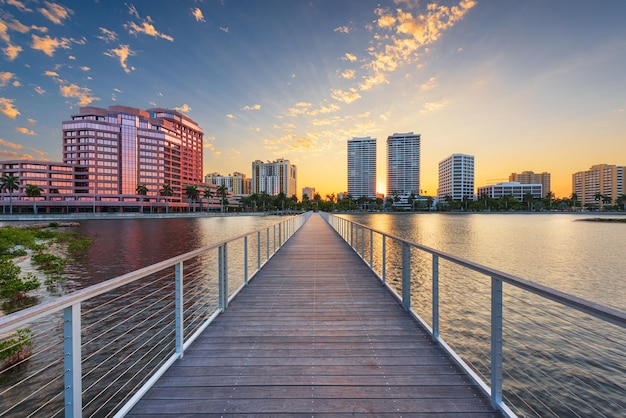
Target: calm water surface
column 586, row 259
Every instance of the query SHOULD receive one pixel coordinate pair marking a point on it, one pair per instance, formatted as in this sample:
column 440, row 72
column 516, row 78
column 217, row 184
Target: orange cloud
column 348, row 74
column 253, row 107
column 197, row 13
column 19, row 5
column 147, row 28
column 107, row 35
column 83, row 94
column 55, row 12
column 6, row 108
column 10, row 144
column 5, row 78
column 48, row 45
column 184, row 108
column 25, row 131
column 12, row 51
column 122, row 53
column 11, row 155
column 345, row 96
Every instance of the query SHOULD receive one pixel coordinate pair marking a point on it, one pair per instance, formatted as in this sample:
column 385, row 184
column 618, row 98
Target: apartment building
column 274, row 177
column 237, row 183
column 456, row 177
column 529, row 177
column 601, row 179
column 516, row 189
column 362, row 167
column 403, row 163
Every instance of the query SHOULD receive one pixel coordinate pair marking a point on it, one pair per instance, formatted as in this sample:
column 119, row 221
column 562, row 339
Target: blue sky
column 521, row 85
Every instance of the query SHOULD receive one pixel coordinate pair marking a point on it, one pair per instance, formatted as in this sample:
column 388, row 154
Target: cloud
column 107, row 35
column 122, row 53
column 6, row 108
column 19, row 5
column 323, row 109
column 132, row 10
column 12, row 51
column 230, row 116
column 85, row 68
column 48, row 45
column 146, row 28
column 429, row 85
column 55, row 12
column 433, row 106
column 10, row 144
column 209, row 145
column 41, row 154
column 117, row 90
column 25, row 131
column 349, row 57
column 32, row 122
column 51, row 73
column 342, row 29
column 5, row 78
column 300, row 108
column 348, row 74
column 224, row 29
column 83, row 94
column 197, row 13
column 253, row 107
column 291, row 143
column 184, row 108
column 345, row 96
column 11, row 155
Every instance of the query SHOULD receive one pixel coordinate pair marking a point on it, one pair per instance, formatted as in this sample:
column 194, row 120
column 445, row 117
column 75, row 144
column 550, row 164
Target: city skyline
column 520, row 86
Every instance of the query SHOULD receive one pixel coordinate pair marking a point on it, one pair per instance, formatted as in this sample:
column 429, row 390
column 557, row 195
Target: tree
column 193, row 194
column 166, row 191
column 222, row 192
column 207, row 194
column 528, row 198
column 606, row 200
column 12, row 286
column 598, row 198
column 9, row 183
column 549, row 198
column 33, row 191
column 574, row 200
column 621, row 200
column 142, row 190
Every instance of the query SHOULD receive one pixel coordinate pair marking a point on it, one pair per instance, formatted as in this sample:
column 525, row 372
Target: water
column 557, row 362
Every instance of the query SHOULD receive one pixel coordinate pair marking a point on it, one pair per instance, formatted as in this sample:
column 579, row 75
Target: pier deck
column 315, row 334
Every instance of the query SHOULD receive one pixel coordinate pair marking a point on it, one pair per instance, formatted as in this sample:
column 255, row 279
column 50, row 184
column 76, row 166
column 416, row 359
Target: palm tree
column 9, row 183
column 621, row 200
column 166, row 191
column 33, row 191
column 528, row 198
column 222, row 192
column 207, row 194
column 142, row 190
column 574, row 200
column 193, row 194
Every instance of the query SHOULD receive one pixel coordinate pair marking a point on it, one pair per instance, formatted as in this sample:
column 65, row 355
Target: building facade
column 529, row 177
column 237, row 183
column 274, row 177
column 124, row 147
column 362, row 167
column 403, row 163
column 516, row 189
column 456, row 177
column 601, row 179
column 309, row 192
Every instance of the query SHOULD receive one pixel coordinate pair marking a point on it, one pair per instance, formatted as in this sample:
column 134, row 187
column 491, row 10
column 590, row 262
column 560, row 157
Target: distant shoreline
column 614, row 220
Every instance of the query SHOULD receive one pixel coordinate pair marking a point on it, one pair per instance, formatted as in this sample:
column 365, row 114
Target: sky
column 520, row 85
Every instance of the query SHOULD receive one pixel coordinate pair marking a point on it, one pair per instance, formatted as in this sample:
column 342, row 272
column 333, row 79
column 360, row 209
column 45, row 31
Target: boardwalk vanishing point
column 315, row 334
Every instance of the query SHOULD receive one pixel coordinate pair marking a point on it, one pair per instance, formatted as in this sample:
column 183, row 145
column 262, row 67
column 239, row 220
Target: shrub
column 49, row 263
column 15, row 350
column 13, row 286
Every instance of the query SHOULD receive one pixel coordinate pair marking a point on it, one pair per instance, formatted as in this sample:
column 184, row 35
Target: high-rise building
column 309, row 192
column 403, row 163
column 456, row 177
column 528, row 177
column 123, row 147
column 362, row 167
column 274, row 177
column 237, row 183
column 601, row 179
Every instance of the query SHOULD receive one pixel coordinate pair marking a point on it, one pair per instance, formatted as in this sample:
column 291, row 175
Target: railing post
column 435, row 297
column 178, row 288
column 274, row 241
column 258, row 250
column 363, row 243
column 384, row 259
column 72, row 361
column 371, row 249
column 406, row 276
column 267, row 243
column 280, row 235
column 245, row 259
column 223, row 277
column 351, row 234
column 496, row 342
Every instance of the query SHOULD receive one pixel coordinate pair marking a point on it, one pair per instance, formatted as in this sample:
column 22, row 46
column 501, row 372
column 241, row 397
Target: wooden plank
column 315, row 334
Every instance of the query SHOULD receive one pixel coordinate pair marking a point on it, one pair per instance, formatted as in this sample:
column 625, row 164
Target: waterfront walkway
column 314, row 334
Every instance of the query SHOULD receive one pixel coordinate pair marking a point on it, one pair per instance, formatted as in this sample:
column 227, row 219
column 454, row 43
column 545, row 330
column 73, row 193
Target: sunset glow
column 522, row 85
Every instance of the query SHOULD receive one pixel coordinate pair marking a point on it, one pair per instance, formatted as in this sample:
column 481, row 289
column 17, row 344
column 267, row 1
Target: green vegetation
column 16, row 242
column 15, row 350
column 12, row 286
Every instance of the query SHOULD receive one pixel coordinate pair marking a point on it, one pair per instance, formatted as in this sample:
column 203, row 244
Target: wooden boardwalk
column 316, row 335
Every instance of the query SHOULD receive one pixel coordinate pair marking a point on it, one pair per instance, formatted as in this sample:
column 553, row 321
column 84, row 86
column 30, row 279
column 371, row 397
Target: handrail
column 185, row 328
column 354, row 234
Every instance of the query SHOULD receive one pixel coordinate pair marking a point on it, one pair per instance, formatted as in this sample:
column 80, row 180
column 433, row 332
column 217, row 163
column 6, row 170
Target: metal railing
column 96, row 351
column 533, row 350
